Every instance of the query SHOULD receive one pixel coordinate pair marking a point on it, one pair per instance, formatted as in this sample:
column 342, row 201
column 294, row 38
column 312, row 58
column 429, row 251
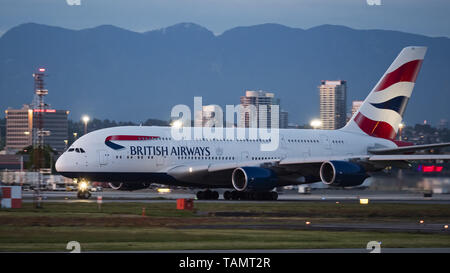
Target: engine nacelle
column 128, row 186
column 253, row 178
column 342, row 174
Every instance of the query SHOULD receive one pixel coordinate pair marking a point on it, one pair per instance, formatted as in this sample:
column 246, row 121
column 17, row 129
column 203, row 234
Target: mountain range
column 109, row 72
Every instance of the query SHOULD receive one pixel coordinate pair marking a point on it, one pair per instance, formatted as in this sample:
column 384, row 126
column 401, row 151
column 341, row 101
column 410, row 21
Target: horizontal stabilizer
column 407, row 149
column 408, row 157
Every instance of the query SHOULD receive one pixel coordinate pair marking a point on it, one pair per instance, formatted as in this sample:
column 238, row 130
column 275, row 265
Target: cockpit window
column 71, row 150
column 81, row 150
column 77, row 150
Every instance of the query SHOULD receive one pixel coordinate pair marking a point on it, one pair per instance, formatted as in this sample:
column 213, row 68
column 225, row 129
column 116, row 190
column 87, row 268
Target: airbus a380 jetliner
column 132, row 157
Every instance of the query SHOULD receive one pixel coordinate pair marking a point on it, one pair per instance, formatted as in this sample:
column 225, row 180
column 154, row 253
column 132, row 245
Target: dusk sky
column 429, row 17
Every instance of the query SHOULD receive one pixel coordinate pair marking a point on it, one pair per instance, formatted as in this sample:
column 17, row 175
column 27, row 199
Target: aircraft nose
column 59, row 165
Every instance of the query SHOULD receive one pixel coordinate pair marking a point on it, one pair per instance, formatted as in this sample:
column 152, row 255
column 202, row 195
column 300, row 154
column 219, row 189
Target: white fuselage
column 154, row 153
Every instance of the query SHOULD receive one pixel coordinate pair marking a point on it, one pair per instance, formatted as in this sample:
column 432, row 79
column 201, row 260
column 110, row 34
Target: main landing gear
column 207, row 195
column 250, row 195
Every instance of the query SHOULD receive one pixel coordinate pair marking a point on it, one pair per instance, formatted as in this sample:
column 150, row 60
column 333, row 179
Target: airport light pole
column 316, row 123
column 400, row 128
column 85, row 119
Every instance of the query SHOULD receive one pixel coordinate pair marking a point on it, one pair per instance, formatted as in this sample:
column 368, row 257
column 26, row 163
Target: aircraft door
column 245, row 156
column 326, row 145
column 325, row 141
column 103, row 157
column 160, row 160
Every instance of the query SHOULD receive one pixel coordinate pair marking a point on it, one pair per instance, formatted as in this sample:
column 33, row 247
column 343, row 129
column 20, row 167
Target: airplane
column 133, row 157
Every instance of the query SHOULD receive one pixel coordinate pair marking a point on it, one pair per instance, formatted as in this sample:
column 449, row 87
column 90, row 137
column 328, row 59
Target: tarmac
column 321, row 195
column 151, row 196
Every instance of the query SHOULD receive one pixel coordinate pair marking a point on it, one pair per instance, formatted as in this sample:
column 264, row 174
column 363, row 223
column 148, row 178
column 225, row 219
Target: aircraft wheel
column 83, row 195
column 274, row 195
column 200, row 195
column 215, row 195
column 227, row 195
column 234, row 195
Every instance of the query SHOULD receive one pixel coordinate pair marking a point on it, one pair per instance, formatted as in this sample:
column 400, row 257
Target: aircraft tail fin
column 382, row 111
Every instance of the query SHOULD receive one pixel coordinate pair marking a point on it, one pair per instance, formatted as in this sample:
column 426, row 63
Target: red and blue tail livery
column 382, row 111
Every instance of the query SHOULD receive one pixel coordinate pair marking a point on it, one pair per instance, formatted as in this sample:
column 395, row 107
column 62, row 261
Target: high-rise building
column 443, row 124
column 333, row 96
column 262, row 101
column 284, row 119
column 355, row 106
column 207, row 114
column 21, row 128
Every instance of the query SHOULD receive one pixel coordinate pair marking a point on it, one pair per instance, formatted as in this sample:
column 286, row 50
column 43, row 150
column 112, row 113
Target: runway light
column 164, row 190
column 446, row 226
column 307, row 223
column 421, row 221
column 364, row 201
column 337, row 202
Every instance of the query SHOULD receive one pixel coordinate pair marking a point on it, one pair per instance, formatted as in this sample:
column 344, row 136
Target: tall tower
column 263, row 114
column 207, row 115
column 333, row 97
column 356, row 104
column 38, row 132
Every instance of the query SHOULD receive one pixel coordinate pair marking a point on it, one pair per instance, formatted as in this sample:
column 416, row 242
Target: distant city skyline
column 225, row 66
column 421, row 17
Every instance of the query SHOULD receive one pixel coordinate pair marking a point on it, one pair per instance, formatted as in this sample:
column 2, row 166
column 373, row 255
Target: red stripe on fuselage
column 405, row 73
column 375, row 128
column 127, row 137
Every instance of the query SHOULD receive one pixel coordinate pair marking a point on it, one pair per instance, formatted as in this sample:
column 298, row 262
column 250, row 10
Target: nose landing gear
column 83, row 190
column 83, row 194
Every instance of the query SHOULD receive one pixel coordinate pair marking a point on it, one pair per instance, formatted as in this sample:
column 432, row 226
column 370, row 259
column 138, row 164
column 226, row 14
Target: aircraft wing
column 321, row 159
column 409, row 157
column 303, row 166
column 390, row 157
column 407, row 149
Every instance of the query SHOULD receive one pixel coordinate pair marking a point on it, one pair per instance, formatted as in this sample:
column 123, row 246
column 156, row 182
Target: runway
column 256, row 218
column 152, row 196
column 294, row 251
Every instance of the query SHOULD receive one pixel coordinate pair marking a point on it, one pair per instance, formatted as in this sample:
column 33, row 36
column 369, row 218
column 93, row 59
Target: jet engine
column 128, row 186
column 253, row 178
column 342, row 173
